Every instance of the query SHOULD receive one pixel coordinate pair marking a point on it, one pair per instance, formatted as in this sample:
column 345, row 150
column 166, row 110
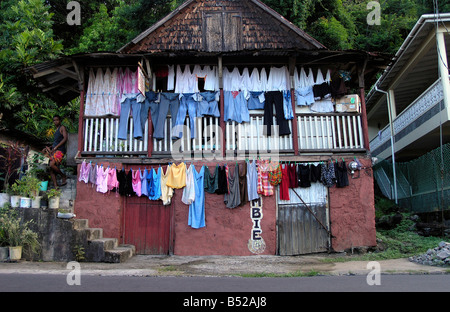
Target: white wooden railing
column 250, row 136
column 315, row 132
column 207, row 137
column 329, row 132
column 101, row 137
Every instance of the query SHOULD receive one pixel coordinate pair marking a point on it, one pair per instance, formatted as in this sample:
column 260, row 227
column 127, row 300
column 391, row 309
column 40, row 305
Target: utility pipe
column 392, row 141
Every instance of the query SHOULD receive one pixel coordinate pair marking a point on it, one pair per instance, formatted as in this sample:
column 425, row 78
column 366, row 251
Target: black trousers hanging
column 275, row 98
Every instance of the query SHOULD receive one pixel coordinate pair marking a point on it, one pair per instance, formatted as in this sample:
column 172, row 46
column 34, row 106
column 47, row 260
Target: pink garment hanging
column 136, row 182
column 84, row 172
column 102, row 179
column 113, row 183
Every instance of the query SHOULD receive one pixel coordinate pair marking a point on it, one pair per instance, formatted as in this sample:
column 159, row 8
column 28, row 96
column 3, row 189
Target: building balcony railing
column 330, row 132
column 419, row 112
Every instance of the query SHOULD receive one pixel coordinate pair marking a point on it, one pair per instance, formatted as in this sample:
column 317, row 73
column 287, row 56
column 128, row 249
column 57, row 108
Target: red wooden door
column 147, row 226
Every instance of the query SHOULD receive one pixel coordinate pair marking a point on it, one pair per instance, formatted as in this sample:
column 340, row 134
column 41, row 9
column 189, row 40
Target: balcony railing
column 415, row 112
column 315, row 132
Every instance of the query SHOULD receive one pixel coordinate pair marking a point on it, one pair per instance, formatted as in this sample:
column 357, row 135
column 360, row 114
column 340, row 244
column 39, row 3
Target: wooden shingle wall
column 222, row 26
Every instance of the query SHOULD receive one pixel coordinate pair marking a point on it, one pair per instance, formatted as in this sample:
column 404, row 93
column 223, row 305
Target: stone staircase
column 100, row 249
column 96, row 247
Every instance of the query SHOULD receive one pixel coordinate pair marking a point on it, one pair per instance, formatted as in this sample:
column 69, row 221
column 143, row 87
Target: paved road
column 16, row 282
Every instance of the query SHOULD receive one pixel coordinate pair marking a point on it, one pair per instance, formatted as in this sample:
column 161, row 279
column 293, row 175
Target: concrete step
column 80, row 224
column 119, row 254
column 96, row 248
column 91, row 233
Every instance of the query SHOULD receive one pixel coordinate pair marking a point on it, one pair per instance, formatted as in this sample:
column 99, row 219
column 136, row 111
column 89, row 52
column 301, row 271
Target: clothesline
column 246, row 183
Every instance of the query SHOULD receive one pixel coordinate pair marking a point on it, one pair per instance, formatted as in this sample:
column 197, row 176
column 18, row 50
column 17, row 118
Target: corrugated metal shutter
column 303, row 221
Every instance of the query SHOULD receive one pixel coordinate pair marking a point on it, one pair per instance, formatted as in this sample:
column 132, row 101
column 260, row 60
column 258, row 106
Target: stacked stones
column 438, row 256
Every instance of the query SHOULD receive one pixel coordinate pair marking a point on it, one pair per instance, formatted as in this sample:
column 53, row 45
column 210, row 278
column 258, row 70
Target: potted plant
column 15, row 190
column 9, row 162
column 27, row 188
column 53, row 198
column 17, row 235
column 64, row 214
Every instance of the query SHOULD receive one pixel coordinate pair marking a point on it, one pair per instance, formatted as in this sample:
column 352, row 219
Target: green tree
column 26, row 39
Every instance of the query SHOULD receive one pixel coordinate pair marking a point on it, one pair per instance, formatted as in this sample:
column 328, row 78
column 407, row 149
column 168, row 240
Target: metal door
column 303, row 225
column 148, row 226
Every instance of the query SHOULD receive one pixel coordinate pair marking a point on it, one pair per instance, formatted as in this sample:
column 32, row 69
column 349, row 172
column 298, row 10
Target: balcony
column 314, row 133
column 411, row 127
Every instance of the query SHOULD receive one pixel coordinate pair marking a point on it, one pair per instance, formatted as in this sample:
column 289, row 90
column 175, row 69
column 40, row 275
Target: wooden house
column 225, row 36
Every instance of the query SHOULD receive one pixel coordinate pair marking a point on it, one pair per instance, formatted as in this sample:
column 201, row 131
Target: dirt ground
column 142, row 265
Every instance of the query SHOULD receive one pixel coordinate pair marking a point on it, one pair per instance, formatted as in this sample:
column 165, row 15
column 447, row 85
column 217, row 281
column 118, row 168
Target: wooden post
column 365, row 124
column 81, row 114
column 150, row 123
column 292, row 62
column 222, row 105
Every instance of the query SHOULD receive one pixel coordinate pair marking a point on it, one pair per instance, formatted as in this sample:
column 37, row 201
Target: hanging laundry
column 159, row 115
column 188, row 105
column 136, row 181
column 185, row 81
column 150, row 183
column 232, row 198
column 131, row 102
column 196, row 217
column 274, row 172
column 166, row 191
column 208, row 104
column 275, row 98
column 84, row 172
column 177, row 176
column 211, row 181
column 110, row 94
column 287, row 105
column 328, row 175
column 264, row 186
column 171, row 78
column 155, row 188
column 243, row 190
column 278, row 79
column 235, row 107
column 188, row 196
column 144, row 186
column 129, row 184
column 102, row 180
column 341, row 174
column 292, row 172
column 304, row 94
column 122, row 178
column 252, row 180
column 321, row 89
column 222, row 184
column 315, row 172
column 285, row 183
column 113, row 183
column 93, row 175
column 303, row 174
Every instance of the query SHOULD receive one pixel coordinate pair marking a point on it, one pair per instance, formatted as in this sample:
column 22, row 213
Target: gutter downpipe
column 392, row 142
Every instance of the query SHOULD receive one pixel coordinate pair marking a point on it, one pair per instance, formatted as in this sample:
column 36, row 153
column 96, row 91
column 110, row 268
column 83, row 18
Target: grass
column 400, row 242
column 291, row 274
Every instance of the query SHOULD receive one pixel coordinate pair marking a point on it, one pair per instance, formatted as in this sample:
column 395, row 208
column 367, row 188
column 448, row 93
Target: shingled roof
column 217, row 26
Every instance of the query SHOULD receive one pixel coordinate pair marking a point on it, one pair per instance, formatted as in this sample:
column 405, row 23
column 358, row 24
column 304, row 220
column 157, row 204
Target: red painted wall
column 102, row 210
column 227, row 230
column 352, row 211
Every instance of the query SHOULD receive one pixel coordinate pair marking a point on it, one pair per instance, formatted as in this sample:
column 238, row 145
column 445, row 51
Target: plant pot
column 25, row 202
column 15, row 201
column 4, row 253
column 4, row 198
column 53, row 202
column 44, row 186
column 15, row 253
column 36, row 202
column 65, row 215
